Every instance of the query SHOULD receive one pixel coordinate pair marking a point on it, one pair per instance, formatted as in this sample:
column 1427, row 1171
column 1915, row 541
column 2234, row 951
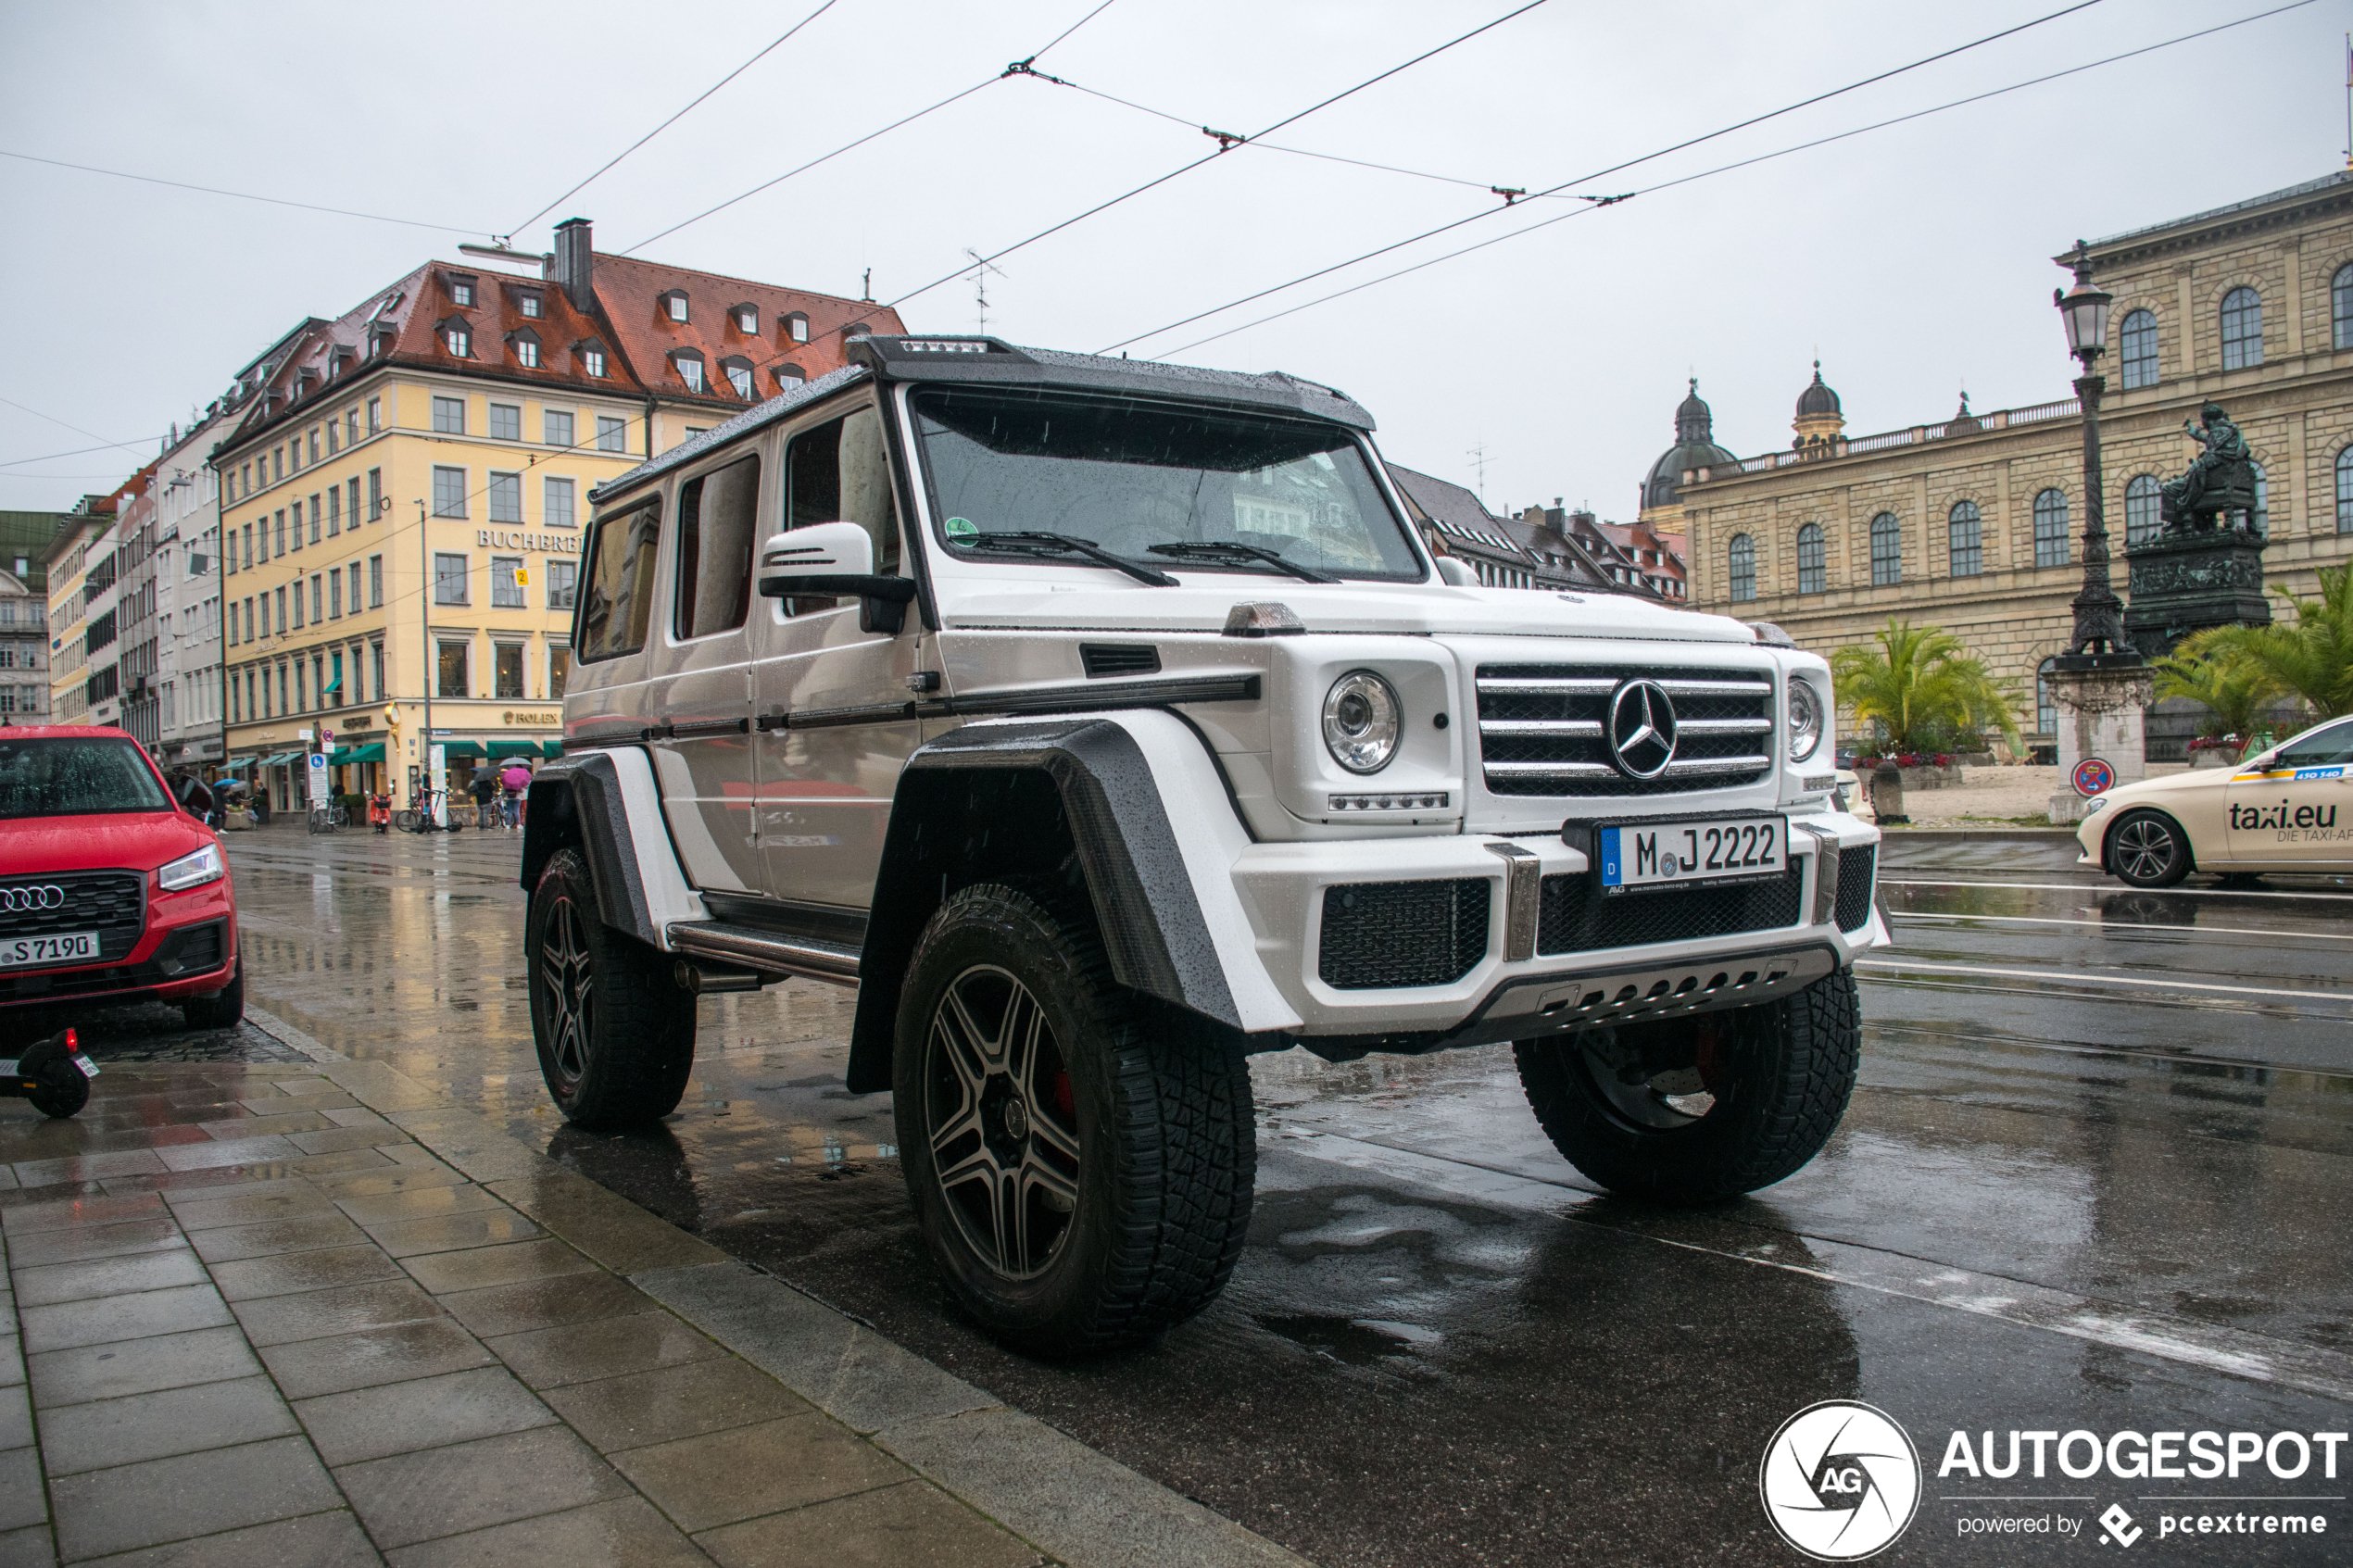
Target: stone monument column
column 2101, row 702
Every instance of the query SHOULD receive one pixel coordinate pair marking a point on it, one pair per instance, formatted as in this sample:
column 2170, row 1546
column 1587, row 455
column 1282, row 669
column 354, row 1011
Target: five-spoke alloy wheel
column 1080, row 1159
column 2149, row 849
column 615, row 1032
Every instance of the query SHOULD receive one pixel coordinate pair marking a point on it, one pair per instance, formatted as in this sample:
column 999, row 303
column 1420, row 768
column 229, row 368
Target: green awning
column 514, row 748
column 371, row 752
column 281, row 757
column 338, row 757
column 553, row 748
column 461, row 747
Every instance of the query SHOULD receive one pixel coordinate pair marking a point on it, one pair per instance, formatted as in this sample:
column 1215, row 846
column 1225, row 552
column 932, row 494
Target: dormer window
column 795, row 328
column 690, row 369
column 747, row 319
column 457, row 338
column 738, row 373
column 379, row 345
column 526, row 347
column 461, row 292
column 591, row 355
column 791, row 376
column 529, row 305
column 674, row 304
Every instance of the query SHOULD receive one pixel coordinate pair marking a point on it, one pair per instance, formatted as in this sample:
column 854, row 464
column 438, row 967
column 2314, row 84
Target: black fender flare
column 577, row 800
column 1151, row 924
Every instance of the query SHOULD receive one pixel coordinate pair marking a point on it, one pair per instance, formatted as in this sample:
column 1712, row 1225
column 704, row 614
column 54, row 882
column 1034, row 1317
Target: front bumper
column 1549, row 959
column 187, row 947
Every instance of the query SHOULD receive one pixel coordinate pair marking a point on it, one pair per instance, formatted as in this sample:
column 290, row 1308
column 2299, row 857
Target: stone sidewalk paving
column 300, row 1314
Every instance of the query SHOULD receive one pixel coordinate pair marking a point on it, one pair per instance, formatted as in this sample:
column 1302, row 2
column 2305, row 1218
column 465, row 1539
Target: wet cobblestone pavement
column 2091, row 1179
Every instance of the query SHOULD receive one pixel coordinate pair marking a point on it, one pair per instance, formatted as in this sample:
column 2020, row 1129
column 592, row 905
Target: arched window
column 2143, row 517
column 2341, row 308
column 1965, row 538
column 2045, row 710
column 789, row 376
column 2050, row 528
column 2242, row 329
column 1744, row 562
column 2140, row 349
column 2345, row 491
column 1887, row 551
column 1813, row 560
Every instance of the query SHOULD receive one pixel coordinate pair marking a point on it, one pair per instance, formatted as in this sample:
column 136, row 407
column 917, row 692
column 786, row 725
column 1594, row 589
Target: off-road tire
column 2148, row 848
column 222, row 1009
column 615, row 1033
column 1165, row 1138
column 1780, row 1073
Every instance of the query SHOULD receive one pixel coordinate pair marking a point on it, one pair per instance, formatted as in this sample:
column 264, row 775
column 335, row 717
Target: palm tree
column 2236, row 690
column 2311, row 656
column 1920, row 685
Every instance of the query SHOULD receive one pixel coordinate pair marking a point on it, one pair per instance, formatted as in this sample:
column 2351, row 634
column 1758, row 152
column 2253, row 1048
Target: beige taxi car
column 2286, row 809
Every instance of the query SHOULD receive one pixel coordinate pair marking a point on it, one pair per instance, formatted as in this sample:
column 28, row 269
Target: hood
column 2171, row 784
column 138, row 841
column 1203, row 601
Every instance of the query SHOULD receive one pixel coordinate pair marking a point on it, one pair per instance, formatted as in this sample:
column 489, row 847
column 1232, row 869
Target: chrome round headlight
column 1362, row 721
column 1806, row 727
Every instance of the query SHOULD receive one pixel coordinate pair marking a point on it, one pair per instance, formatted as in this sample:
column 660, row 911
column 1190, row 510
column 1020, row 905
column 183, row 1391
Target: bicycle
column 328, row 818
column 419, row 819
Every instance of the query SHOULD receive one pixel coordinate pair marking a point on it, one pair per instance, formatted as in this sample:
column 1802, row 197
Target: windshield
column 1128, row 474
column 72, row 778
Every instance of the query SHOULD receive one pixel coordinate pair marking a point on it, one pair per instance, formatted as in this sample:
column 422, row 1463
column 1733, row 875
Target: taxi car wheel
column 1704, row 1108
column 1081, row 1161
column 615, row 1033
column 221, row 1009
column 2149, row 849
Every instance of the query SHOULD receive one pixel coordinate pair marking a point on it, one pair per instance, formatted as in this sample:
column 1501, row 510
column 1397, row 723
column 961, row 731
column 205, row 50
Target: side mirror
column 1452, row 570
column 832, row 560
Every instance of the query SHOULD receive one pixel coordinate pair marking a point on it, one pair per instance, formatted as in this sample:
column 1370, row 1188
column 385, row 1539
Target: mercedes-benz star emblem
column 25, row 900
column 1641, row 729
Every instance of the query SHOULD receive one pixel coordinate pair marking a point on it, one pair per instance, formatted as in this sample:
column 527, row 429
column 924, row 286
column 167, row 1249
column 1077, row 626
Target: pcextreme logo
column 1840, row 1480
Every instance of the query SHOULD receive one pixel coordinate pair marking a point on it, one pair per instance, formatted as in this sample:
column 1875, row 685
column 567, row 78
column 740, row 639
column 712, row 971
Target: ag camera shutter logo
column 1840, row 1480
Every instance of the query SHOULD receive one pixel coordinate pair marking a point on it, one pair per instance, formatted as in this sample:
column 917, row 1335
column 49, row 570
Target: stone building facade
column 1974, row 522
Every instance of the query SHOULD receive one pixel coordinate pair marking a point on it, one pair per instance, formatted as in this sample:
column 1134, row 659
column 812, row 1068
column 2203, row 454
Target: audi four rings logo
column 1641, row 729
column 26, row 900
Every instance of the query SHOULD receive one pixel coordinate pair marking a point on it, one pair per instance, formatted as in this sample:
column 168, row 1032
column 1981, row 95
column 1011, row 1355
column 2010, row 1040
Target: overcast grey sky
column 1914, row 259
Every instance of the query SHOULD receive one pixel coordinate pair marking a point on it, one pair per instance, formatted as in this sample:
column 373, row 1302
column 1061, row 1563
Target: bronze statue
column 2221, row 479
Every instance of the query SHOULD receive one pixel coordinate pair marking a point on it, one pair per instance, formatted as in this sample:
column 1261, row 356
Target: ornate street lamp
column 2099, row 685
column 2099, row 614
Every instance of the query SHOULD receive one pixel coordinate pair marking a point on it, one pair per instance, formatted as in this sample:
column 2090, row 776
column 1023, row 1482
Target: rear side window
column 617, row 601
column 718, row 515
column 71, row 778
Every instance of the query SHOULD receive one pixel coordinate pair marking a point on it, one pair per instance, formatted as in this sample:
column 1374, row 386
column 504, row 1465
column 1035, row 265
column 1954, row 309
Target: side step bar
column 765, row 950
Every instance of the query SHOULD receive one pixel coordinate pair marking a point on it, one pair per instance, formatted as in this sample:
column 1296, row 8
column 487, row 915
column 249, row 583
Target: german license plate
column 64, row 947
column 1697, row 853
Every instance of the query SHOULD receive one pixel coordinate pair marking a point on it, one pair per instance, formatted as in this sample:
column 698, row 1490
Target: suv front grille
column 1382, row 933
column 1854, row 870
column 1574, row 917
column 1540, row 729
column 113, row 904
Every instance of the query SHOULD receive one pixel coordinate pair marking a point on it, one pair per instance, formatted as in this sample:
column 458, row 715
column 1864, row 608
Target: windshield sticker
column 963, row 528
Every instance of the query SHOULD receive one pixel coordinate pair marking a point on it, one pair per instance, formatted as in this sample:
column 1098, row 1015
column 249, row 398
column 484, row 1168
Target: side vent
column 1119, row 659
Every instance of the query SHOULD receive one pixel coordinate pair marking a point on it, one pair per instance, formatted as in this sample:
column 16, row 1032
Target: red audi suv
column 110, row 891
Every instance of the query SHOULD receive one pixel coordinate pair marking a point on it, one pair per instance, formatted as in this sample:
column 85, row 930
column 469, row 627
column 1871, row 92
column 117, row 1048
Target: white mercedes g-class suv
column 1106, row 723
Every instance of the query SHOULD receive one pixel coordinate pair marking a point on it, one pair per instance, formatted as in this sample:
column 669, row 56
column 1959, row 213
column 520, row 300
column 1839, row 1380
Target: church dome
column 1694, row 447
column 1817, row 399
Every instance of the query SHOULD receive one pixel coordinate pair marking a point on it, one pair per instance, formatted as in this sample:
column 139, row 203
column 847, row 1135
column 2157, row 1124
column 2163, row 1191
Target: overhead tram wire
column 616, row 159
column 1224, row 147
column 848, row 147
column 1600, row 173
column 239, row 195
column 1746, row 162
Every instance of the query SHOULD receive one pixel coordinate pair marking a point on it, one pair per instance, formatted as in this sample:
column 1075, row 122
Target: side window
column 618, row 598
column 839, row 472
column 2320, row 748
column 718, row 519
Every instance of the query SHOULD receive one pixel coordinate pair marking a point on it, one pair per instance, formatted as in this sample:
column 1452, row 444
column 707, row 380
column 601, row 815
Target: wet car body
column 2286, row 809
column 103, row 873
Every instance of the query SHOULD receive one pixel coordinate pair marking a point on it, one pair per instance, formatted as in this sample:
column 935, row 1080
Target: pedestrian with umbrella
column 513, row 780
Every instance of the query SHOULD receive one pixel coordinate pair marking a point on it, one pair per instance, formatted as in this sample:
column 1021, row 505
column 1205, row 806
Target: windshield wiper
column 1028, row 544
column 1227, row 552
